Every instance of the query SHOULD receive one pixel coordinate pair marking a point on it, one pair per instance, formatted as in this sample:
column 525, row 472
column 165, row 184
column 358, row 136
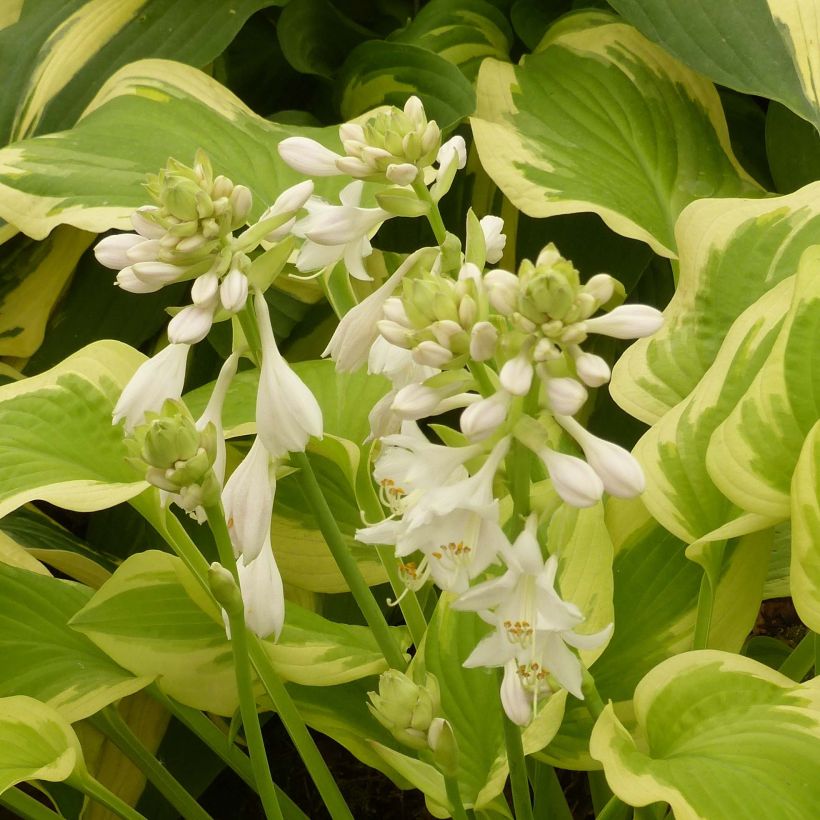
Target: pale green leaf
column 805, row 507
column 602, row 120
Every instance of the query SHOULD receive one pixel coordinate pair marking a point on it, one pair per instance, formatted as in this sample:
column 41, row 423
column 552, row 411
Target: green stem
column 592, row 698
column 247, row 320
column 110, row 722
column 25, row 806
column 362, row 593
column 433, row 213
column 706, row 596
column 242, row 669
column 408, row 601
column 519, row 782
column 105, row 797
column 801, row 659
column 479, row 373
column 295, row 727
column 454, row 796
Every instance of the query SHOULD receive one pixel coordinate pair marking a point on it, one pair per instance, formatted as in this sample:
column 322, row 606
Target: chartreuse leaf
column 92, row 176
column 36, row 743
column 32, row 277
column 655, row 606
column 805, row 559
column 154, row 618
column 387, row 73
column 679, row 492
column 753, row 453
column 602, row 120
column 470, row 701
column 763, row 47
column 462, row 31
column 44, row 658
column 59, row 54
column 346, row 399
column 718, row 736
column 731, row 253
column 12, row 554
column 57, row 442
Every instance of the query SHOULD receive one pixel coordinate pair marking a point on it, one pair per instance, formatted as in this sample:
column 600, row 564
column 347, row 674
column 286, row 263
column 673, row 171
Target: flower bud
column 190, row 325
column 494, row 238
column 502, row 290
column 626, row 322
column 233, row 292
column 111, row 252
column 415, row 401
column 442, row 741
column 431, row 354
column 204, row 290
column 574, row 480
column 483, row 340
column 514, row 699
column 565, row 396
column 405, row 708
column 592, row 370
column 224, row 588
column 516, row 375
column 395, row 333
column 401, row 173
column 601, row 287
column 128, row 281
column 169, row 440
column 483, row 418
column 241, row 200
column 144, row 225
column 394, row 311
column 309, row 157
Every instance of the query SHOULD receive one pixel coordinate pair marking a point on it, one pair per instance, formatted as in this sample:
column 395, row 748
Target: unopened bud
column 443, row 744
column 483, row 418
column 483, row 340
column 516, row 375
column 502, row 290
column 233, row 292
column 565, row 396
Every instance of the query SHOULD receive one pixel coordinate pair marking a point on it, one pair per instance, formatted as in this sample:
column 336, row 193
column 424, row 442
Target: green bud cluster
column 385, row 146
column 405, row 708
column 177, row 457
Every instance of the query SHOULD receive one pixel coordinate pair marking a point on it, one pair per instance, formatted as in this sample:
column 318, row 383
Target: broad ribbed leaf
column 763, row 47
column 602, row 120
column 718, row 736
column 805, row 557
column 44, row 658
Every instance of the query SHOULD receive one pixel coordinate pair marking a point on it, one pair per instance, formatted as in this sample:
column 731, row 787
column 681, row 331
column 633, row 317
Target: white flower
column 483, row 341
column 418, row 401
column 452, row 156
column 350, row 344
column 112, row 251
column 485, row 416
column 128, row 280
column 431, row 354
column 565, row 395
column 600, row 287
column 516, row 700
column 334, row 232
column 309, row 157
column 287, row 413
column 592, row 370
column 233, row 292
column 212, row 414
column 574, row 480
column 285, row 208
column 158, row 379
column 494, row 239
column 516, row 374
column 626, row 322
column 262, row 593
column 144, row 226
column 190, row 325
column 502, row 290
column 621, row 474
column 248, row 501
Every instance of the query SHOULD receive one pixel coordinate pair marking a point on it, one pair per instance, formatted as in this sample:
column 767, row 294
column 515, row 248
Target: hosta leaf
column 386, row 73
column 805, row 558
column 32, row 277
column 731, row 253
column 753, row 453
column 718, row 736
column 792, row 149
column 92, row 176
column 602, row 120
column 462, row 31
column 679, row 492
column 762, row 47
column 44, row 658
column 12, row 554
column 57, row 442
column 36, row 743
column 57, row 55
column 154, row 618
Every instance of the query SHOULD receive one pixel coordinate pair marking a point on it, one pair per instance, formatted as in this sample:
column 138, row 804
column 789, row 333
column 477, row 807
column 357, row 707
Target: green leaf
column 92, row 176
column 36, row 743
column 753, row 453
column 464, row 32
column 762, row 47
column 57, row 55
column 731, row 253
column 32, row 277
column 805, row 504
column 153, row 617
column 44, row 658
column 385, row 73
column 57, row 443
column 719, row 736
column 792, row 148
column 602, row 120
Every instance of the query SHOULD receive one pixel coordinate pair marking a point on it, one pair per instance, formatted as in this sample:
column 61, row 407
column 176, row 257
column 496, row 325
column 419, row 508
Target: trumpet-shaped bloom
column 158, row 379
column 260, row 583
column 287, row 413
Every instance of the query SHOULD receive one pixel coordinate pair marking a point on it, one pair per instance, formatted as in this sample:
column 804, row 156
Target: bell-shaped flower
column 287, row 413
column 248, row 501
column 515, row 699
column 494, row 238
column 617, row 468
column 355, row 334
column 157, row 379
column 260, row 583
column 626, row 322
column 334, row 232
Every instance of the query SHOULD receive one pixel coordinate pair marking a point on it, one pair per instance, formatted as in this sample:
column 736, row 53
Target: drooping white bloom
column 565, row 395
column 212, row 414
column 355, row 334
column 494, row 238
column 485, row 416
column 626, row 322
column 158, row 379
column 248, row 501
column 334, row 232
column 287, row 413
column 515, row 699
column 618, row 469
column 260, row 583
